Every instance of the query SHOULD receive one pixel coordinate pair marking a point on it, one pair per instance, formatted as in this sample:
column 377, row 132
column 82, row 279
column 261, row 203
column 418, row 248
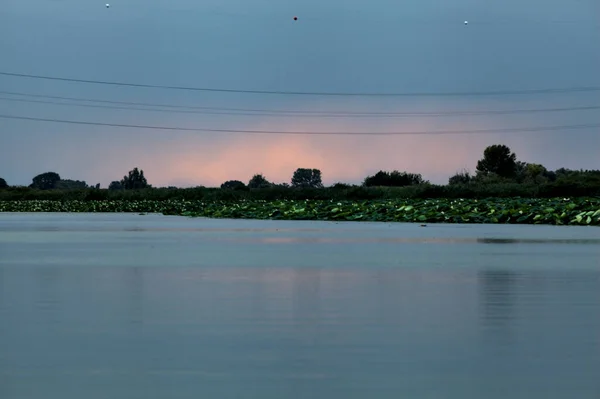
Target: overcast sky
column 335, row 46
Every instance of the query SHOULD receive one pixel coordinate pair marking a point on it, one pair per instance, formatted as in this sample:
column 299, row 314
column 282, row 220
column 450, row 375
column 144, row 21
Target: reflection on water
column 298, row 332
column 497, row 289
column 19, row 227
column 127, row 307
column 411, row 240
column 589, row 241
column 134, row 286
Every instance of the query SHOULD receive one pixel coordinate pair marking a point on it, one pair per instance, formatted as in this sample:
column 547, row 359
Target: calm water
column 128, row 306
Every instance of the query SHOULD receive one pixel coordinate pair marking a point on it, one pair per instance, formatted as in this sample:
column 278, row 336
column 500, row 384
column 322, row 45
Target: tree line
column 497, row 173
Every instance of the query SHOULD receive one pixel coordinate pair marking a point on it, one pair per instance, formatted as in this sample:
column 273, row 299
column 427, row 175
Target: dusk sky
column 349, row 46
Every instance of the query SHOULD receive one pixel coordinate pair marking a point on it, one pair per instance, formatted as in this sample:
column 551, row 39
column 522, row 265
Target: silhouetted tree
column 393, row 179
column 520, row 170
column 45, row 181
column 115, row 185
column 233, row 185
column 135, row 180
column 3, row 183
column 341, row 186
column 380, row 178
column 462, row 177
column 259, row 181
column 564, row 175
column 307, row 178
column 532, row 173
column 498, row 159
column 68, row 184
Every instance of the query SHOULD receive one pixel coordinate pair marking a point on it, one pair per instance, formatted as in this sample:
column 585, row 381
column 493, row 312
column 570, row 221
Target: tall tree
column 499, row 160
column 307, row 178
column 45, row 181
column 134, row 180
column 3, row 183
column 461, row 177
column 115, row 185
column 532, row 173
column 259, row 181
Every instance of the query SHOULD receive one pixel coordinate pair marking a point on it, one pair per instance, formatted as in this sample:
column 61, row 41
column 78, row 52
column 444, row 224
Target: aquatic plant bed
column 562, row 211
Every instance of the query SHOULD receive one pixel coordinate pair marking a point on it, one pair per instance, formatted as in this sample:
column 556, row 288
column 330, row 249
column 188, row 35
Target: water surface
column 128, row 306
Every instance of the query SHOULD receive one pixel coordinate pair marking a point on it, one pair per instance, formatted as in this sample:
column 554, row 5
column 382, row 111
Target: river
column 150, row 306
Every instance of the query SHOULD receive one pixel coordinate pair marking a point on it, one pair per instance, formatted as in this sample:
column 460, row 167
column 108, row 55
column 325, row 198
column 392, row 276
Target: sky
column 348, row 46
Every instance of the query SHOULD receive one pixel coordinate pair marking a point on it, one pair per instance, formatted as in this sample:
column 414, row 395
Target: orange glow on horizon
column 190, row 160
column 340, row 158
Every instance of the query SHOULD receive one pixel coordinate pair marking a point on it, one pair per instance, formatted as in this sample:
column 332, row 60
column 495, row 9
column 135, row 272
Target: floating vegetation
column 556, row 211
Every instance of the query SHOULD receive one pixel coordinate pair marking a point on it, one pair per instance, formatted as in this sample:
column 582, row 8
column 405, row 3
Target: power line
column 422, row 133
column 167, row 110
column 178, row 106
column 282, row 113
column 407, row 94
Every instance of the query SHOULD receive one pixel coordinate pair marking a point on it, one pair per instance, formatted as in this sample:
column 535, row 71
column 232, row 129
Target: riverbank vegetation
column 557, row 211
column 577, row 186
column 502, row 190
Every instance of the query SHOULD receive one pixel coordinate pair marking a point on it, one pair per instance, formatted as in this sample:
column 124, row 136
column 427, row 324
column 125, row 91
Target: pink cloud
column 340, row 158
column 212, row 158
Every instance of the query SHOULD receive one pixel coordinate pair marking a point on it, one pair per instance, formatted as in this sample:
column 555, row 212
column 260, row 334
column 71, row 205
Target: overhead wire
column 297, row 93
column 421, row 133
column 280, row 113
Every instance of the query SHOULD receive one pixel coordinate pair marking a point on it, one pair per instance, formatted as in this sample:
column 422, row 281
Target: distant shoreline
column 551, row 211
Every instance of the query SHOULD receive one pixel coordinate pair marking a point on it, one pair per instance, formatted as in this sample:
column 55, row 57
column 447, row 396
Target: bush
column 559, row 188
